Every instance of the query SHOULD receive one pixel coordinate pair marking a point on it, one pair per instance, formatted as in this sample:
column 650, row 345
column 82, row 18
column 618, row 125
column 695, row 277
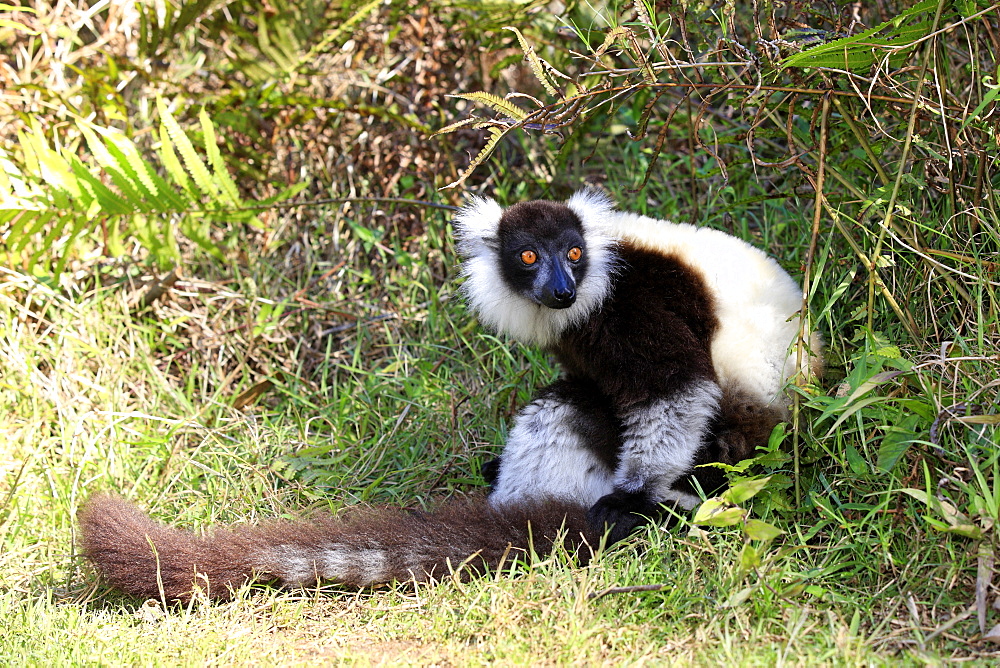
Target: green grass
column 376, row 387
column 402, row 410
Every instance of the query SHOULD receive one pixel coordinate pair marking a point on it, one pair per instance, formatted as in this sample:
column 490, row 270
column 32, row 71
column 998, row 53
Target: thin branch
column 805, row 342
column 593, row 596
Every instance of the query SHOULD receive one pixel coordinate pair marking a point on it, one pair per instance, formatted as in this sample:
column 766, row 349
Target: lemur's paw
column 621, row 513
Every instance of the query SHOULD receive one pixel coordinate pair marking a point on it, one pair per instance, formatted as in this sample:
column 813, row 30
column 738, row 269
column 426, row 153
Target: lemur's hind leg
column 743, row 424
column 563, row 445
column 737, row 425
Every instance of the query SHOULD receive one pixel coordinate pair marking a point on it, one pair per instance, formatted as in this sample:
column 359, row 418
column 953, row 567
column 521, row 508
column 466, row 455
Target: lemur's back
column 756, row 301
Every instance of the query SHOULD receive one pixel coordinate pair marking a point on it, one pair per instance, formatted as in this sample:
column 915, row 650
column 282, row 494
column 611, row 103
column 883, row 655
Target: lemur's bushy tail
column 144, row 558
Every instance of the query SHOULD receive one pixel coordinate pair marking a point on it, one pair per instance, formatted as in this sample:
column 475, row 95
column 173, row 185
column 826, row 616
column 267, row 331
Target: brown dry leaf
column 993, row 635
column 251, row 395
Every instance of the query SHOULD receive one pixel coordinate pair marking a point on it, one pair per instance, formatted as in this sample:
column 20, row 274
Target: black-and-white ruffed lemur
column 675, row 343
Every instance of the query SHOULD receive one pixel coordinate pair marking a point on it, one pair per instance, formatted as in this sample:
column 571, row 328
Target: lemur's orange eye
column 529, row 257
column 574, row 254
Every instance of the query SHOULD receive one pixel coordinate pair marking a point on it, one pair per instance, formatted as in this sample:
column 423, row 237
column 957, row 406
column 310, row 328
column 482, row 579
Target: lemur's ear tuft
column 590, row 205
column 476, row 226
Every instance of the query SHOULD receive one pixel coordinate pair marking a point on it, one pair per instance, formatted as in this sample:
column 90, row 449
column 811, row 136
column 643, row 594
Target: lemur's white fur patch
column 659, row 442
column 501, row 309
column 545, row 458
column 757, row 302
column 336, row 561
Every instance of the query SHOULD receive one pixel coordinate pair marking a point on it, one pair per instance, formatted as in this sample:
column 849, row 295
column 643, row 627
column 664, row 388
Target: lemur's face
column 543, row 255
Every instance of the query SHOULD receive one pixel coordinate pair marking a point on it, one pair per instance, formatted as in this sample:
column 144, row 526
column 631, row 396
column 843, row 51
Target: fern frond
column 109, row 201
column 15, row 220
column 20, row 233
column 38, row 219
column 131, row 163
column 47, row 163
column 633, row 46
column 158, row 191
column 616, row 33
column 172, row 164
column 121, row 174
column 195, row 166
column 344, row 29
column 456, row 125
column 219, row 171
column 537, row 67
column 56, row 173
column 160, row 24
column 51, row 196
column 629, row 42
column 496, row 103
column 496, row 134
column 80, row 225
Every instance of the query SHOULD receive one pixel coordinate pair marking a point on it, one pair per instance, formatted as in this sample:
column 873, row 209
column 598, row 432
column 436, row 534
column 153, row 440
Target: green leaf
column 777, row 437
column 855, row 461
column 991, row 95
column 760, row 530
column 966, row 530
column 749, row 558
column 890, row 352
column 739, row 598
column 30, row 158
column 772, row 459
column 978, row 419
column 947, row 511
column 861, row 51
column 896, row 442
column 745, row 489
column 17, row 25
column 851, row 410
column 871, row 383
column 715, row 512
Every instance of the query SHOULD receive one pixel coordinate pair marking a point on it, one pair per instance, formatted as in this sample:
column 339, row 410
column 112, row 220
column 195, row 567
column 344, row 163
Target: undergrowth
column 231, row 360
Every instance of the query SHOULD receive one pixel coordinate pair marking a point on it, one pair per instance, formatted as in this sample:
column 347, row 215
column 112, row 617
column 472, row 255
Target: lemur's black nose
column 560, row 298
